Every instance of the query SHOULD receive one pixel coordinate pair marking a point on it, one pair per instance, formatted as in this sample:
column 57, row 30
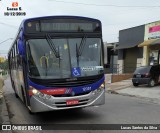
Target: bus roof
column 54, row 17
column 49, row 17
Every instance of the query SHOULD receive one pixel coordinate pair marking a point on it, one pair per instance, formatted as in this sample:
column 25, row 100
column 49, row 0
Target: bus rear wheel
column 23, row 96
column 13, row 86
column 16, row 95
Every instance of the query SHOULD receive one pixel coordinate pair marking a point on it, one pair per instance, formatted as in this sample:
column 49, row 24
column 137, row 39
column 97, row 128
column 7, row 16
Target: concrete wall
column 116, row 78
column 120, row 61
column 121, row 66
column 139, row 62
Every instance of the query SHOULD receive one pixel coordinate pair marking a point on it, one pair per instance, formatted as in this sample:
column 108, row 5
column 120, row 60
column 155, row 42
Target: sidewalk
column 149, row 93
column 4, row 117
column 113, row 87
column 126, row 88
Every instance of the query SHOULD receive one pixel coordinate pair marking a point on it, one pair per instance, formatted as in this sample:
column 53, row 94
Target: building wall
column 121, row 66
column 129, row 39
column 120, row 61
column 110, row 57
column 139, row 57
column 135, row 59
column 130, row 60
column 139, row 62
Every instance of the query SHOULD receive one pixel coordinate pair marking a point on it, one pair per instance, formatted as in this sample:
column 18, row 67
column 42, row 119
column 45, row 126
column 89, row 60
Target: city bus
column 56, row 63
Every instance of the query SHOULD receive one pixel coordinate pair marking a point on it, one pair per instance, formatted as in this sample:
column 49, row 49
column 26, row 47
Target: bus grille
column 80, row 81
column 70, row 95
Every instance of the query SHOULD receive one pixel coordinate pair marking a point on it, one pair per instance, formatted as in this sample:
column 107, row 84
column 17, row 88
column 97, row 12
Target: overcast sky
column 115, row 15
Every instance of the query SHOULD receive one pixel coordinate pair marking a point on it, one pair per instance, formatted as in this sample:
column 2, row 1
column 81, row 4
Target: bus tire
column 24, row 99
column 13, row 86
column 30, row 112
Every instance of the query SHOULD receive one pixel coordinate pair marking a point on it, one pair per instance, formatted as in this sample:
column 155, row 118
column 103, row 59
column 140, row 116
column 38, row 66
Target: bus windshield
column 82, row 53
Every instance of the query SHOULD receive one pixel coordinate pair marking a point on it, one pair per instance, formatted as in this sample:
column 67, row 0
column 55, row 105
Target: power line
column 6, row 40
column 12, row 26
column 91, row 4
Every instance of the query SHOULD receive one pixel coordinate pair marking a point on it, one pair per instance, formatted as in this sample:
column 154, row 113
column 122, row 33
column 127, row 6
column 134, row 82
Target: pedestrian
column 1, row 86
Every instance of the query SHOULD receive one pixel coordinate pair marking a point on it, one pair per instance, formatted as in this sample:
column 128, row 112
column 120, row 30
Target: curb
column 118, row 88
column 5, row 115
column 152, row 100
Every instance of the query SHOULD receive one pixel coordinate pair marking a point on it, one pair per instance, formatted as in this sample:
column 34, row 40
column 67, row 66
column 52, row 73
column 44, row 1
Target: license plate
column 138, row 76
column 72, row 102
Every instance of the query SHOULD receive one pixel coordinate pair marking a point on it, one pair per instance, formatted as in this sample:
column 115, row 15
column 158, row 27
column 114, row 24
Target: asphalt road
column 118, row 109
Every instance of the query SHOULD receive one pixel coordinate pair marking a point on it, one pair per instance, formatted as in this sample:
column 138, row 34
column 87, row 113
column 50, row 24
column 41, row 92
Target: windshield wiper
column 52, row 46
column 81, row 46
column 80, row 49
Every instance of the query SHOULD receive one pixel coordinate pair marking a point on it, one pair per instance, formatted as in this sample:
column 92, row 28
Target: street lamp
column 6, row 40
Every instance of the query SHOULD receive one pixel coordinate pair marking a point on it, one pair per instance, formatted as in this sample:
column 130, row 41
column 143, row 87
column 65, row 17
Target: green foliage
column 4, row 65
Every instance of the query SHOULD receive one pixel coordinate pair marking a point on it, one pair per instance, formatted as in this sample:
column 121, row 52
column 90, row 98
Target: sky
column 115, row 15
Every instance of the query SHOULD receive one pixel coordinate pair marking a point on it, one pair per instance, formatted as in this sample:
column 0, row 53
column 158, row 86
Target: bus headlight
column 34, row 91
column 40, row 94
column 94, row 92
column 101, row 87
column 48, row 97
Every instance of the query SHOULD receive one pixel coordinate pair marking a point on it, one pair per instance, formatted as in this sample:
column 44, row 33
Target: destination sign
column 62, row 25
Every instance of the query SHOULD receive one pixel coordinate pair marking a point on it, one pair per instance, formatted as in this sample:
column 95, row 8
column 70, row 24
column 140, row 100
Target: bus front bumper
column 59, row 103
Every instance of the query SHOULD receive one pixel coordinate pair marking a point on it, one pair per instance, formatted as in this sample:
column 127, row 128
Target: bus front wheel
column 30, row 112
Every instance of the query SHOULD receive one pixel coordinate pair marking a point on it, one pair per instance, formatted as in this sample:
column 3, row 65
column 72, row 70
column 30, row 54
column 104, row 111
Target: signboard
column 152, row 30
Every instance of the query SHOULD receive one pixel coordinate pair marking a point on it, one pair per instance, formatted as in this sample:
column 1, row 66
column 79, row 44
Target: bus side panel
column 17, row 77
column 16, row 82
column 20, row 74
column 21, row 83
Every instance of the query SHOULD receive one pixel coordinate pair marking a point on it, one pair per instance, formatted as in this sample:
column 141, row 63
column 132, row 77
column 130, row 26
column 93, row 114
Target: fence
column 117, row 69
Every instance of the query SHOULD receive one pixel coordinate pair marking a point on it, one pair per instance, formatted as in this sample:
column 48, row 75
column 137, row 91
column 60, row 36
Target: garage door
column 130, row 60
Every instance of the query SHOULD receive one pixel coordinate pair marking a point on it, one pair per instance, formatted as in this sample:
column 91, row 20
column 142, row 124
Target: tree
column 4, row 65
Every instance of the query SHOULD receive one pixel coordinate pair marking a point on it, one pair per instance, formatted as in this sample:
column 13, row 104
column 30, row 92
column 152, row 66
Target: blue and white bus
column 56, row 62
